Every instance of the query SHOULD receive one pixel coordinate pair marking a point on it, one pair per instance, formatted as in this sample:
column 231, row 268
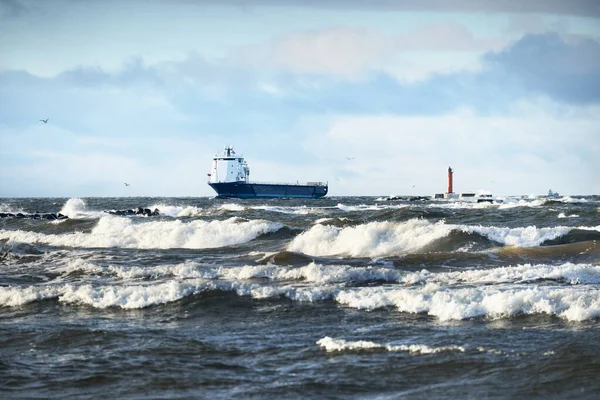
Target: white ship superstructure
column 229, row 167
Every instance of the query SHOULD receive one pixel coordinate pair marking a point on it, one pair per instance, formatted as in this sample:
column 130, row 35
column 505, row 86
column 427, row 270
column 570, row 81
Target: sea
column 333, row 298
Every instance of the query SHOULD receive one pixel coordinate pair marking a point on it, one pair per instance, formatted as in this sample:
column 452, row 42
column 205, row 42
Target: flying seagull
column 44, row 120
column 350, row 158
column 127, row 184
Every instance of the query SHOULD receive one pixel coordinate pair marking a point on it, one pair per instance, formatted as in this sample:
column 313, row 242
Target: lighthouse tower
column 450, row 192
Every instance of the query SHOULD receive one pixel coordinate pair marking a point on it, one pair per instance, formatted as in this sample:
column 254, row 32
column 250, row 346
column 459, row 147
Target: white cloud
column 351, row 52
column 507, row 155
column 345, row 52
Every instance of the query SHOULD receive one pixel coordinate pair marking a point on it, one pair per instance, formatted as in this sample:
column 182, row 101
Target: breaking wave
column 177, row 211
column 113, row 231
column 330, row 345
column 573, row 303
column 572, row 291
column 377, row 239
column 373, row 239
column 77, row 208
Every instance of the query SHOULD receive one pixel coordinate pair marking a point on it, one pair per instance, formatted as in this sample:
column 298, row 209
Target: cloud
column 352, row 53
column 204, row 94
column 521, row 153
column 132, row 72
column 548, row 64
column 345, row 52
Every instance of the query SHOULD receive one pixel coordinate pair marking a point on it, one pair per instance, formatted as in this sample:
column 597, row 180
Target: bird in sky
column 127, row 184
column 414, row 185
column 44, row 120
column 350, row 158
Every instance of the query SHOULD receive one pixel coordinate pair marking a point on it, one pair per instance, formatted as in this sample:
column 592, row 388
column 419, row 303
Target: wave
column 507, row 203
column 580, row 234
column 330, row 345
column 374, row 239
column 572, row 292
column 77, row 208
column 379, row 239
column 522, row 237
column 370, row 207
column 231, row 207
column 298, row 210
column 127, row 297
column 573, row 303
column 177, row 211
column 111, row 231
column 562, row 215
column 328, row 238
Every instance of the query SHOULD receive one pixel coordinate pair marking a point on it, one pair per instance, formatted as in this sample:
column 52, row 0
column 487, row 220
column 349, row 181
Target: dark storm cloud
column 585, row 8
column 546, row 63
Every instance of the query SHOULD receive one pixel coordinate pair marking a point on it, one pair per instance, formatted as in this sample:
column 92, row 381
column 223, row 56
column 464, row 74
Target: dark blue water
column 329, row 298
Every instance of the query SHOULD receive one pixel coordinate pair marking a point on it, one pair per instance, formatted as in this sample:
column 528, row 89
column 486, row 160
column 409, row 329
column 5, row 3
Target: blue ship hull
column 242, row 190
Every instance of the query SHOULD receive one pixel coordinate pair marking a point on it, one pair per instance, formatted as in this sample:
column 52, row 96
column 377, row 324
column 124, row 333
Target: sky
column 375, row 97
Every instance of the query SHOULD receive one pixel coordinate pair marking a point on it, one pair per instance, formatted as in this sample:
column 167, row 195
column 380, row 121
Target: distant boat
column 230, row 175
column 552, row 194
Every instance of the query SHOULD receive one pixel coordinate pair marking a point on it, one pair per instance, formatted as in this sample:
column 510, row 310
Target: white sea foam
column 7, row 208
column 330, row 345
column 299, row 210
column 573, row 274
column 562, row 215
column 103, row 296
column 184, row 270
column 231, row 207
column 16, row 296
column 574, row 303
column 460, row 205
column 318, row 274
column 324, row 220
column 111, row 231
column 78, row 265
column 370, row 207
column 134, row 296
column 512, row 203
column 177, row 211
column 522, row 237
column 373, row 239
column 569, row 199
column 314, row 273
column 77, row 208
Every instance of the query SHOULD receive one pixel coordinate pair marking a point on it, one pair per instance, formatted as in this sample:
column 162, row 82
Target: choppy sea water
column 331, row 298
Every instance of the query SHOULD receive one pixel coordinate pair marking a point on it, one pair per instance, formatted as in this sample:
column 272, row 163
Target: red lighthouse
column 450, row 180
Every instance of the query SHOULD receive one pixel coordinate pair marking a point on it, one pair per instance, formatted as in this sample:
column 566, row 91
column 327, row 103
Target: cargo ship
column 230, row 178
